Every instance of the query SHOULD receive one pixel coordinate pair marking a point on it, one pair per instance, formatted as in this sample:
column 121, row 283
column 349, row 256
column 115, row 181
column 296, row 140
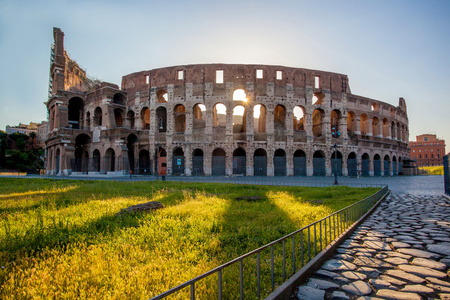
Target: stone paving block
column 396, row 260
column 405, row 276
column 423, row 262
column 358, row 288
column 438, row 281
column 444, row 296
column 322, row 284
column 389, row 294
column 439, row 248
column 338, row 295
column 377, row 245
column 418, row 253
column 370, row 272
column 381, row 256
column 445, row 261
column 439, row 288
column 379, row 284
column 422, row 271
column 309, row 293
column 400, row 245
column 392, row 280
column 371, row 262
column 352, row 275
column 345, row 257
column 396, row 254
column 418, row 289
column 338, row 265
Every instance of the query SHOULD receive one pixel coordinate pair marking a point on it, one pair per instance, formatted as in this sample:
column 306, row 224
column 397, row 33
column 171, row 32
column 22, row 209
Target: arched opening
column 239, row 119
column 197, row 162
column 199, row 121
column 351, row 122
column 88, row 121
column 239, row 95
column 299, row 163
column 178, row 162
column 399, row 132
column 336, row 163
column 131, row 145
column 161, row 117
column 239, row 161
column 279, row 162
column 394, row 166
column 76, row 113
column 98, row 116
column 218, row 162
column 374, row 107
column 317, row 122
column 179, row 115
column 335, row 123
column 96, row 161
column 387, row 164
column 145, row 118
column 319, row 163
column 118, row 117
column 161, row 96
column 144, row 162
column 352, row 165
column 377, row 165
column 375, row 126
column 130, row 119
column 259, row 118
column 279, row 117
column 260, row 162
column 365, row 165
column 393, row 131
column 364, row 124
column 81, row 162
column 161, row 158
column 219, row 115
column 57, row 159
column 119, row 99
column 110, row 160
column 318, row 98
column 299, row 118
column 385, row 128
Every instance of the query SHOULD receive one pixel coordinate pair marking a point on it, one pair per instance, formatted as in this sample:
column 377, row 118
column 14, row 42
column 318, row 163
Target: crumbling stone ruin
column 219, row 119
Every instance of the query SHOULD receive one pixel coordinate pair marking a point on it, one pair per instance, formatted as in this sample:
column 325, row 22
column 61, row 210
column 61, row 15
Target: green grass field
column 62, row 239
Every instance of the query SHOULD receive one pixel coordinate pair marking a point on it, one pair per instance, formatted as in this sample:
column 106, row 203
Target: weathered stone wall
column 179, row 109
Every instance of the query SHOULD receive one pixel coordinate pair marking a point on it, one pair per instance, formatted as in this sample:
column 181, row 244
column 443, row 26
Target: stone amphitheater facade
column 219, row 119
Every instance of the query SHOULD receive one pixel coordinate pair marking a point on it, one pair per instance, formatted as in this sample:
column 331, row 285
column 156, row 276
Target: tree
column 3, row 146
column 20, row 143
column 32, row 136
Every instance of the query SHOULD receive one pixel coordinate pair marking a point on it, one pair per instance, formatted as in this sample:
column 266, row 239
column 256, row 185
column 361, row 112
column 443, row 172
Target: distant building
column 42, row 132
column 22, row 128
column 427, row 150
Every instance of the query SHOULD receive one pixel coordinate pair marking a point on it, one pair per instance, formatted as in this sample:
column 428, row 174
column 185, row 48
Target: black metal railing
column 447, row 175
column 287, row 256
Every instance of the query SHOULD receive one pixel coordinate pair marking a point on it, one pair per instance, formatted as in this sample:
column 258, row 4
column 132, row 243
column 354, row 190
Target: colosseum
column 219, row 119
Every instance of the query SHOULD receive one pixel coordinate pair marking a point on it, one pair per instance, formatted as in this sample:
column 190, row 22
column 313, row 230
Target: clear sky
column 389, row 49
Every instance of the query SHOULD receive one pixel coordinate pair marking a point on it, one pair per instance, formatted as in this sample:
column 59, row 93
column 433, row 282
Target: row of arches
column 365, row 125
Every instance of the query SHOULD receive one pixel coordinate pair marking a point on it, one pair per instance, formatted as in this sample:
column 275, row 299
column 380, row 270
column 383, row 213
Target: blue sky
column 389, row 49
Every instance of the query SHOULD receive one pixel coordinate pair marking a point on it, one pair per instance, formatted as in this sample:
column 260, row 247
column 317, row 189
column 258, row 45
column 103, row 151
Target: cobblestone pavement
column 402, row 251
